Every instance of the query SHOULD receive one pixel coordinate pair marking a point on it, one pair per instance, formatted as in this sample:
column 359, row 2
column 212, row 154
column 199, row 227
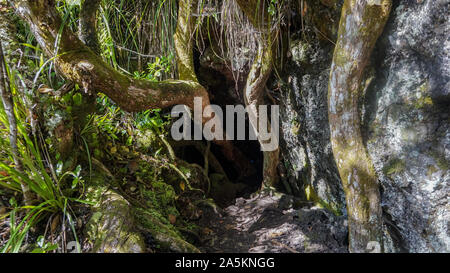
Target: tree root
column 202, row 148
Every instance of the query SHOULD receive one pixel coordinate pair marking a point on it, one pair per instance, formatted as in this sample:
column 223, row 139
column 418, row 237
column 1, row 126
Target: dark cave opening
column 223, row 91
column 250, row 148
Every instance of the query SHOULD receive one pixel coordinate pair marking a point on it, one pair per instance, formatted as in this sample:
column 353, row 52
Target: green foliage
column 43, row 247
column 156, row 70
column 394, row 166
column 19, row 228
column 150, row 119
column 38, row 174
column 272, row 7
column 110, row 126
column 132, row 33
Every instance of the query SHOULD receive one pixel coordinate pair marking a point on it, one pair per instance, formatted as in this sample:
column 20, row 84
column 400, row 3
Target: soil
column 266, row 224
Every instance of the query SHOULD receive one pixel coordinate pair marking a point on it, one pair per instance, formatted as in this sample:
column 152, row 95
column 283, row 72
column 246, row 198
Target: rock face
column 405, row 114
column 305, row 133
column 407, row 123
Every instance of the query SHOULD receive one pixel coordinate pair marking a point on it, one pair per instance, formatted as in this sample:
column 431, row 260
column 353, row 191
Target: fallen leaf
column 276, row 234
column 54, row 224
column 305, row 9
column 172, row 219
column 207, row 231
column 228, row 226
column 133, row 166
column 44, row 89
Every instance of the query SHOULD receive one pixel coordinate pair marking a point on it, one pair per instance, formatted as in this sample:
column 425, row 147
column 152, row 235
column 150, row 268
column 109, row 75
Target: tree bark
column 361, row 24
column 257, row 78
column 88, row 24
column 183, row 40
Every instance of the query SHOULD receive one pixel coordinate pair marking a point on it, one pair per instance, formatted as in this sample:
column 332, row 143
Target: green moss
column 441, row 162
column 110, row 228
column 295, row 129
column 423, row 102
column 425, row 87
column 311, row 195
column 147, row 140
column 161, row 198
column 155, row 222
column 394, row 166
column 431, row 170
column 340, row 56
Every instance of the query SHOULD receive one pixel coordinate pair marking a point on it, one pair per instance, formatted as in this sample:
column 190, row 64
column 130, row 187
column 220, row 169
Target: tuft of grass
column 394, row 166
column 53, row 188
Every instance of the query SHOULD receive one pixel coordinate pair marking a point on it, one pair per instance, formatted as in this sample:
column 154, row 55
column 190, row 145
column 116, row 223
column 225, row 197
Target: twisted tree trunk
column 262, row 66
column 362, row 22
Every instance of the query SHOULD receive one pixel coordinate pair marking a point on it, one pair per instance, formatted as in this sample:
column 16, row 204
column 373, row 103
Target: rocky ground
column 265, row 223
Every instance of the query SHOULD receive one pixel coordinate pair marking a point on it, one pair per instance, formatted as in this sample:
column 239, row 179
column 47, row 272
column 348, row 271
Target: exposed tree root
column 168, row 239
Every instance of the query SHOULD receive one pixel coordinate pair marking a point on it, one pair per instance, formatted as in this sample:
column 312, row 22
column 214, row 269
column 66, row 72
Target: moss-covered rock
column 167, row 236
column 111, row 227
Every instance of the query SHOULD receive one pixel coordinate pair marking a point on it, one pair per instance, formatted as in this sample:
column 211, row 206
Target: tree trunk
column 183, row 40
column 361, row 24
column 257, row 78
column 88, row 24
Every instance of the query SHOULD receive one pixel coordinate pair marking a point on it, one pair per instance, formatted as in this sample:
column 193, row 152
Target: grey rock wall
column 406, row 122
column 305, row 136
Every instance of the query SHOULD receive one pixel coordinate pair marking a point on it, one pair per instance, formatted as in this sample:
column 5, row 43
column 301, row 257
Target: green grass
column 46, row 181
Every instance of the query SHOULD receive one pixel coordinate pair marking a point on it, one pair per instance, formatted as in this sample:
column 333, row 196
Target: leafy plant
column 156, row 70
column 43, row 247
column 38, row 174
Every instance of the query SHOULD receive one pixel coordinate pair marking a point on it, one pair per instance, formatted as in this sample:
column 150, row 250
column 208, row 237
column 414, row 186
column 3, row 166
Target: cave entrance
column 225, row 89
column 240, row 185
column 241, row 182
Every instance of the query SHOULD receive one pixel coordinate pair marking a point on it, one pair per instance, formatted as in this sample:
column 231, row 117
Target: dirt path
column 271, row 224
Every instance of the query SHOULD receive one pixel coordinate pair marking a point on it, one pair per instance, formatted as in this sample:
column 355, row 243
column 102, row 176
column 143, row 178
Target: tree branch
column 76, row 62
